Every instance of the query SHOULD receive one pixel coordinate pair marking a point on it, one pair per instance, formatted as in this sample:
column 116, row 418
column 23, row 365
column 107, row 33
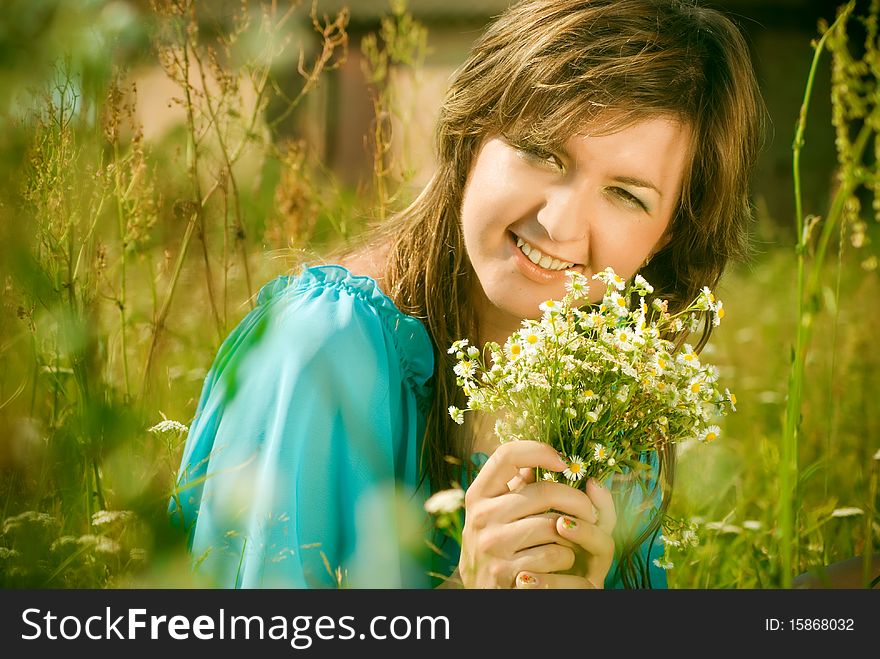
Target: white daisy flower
column 513, row 350
column 600, row 453
column 706, row 300
column 465, row 369
column 577, row 283
column 550, row 306
column 710, row 434
column 719, row 313
column 550, row 476
column 445, row 501
column 642, row 285
column 456, row 414
column 458, row 346
column 731, row 398
column 664, row 565
column 618, row 303
column 575, row 469
column 611, row 278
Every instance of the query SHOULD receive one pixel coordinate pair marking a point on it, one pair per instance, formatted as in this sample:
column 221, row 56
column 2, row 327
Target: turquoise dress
column 300, row 469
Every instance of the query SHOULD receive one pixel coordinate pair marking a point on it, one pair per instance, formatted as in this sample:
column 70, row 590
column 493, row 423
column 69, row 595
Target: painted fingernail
column 524, row 580
column 568, row 523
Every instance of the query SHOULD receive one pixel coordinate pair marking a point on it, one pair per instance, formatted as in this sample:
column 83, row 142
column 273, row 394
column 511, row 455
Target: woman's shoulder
column 322, row 305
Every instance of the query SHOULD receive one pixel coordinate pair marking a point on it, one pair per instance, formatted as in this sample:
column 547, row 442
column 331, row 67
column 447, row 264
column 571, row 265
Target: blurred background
column 160, row 161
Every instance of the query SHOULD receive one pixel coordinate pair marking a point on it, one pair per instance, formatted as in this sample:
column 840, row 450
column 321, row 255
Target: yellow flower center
column 711, row 436
column 515, row 349
column 721, row 312
column 588, row 393
column 574, row 467
column 621, row 302
column 661, row 363
column 733, row 398
column 695, row 387
column 689, row 357
column 531, row 338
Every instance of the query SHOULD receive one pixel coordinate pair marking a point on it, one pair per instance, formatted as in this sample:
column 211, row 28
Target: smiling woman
column 600, row 200
column 579, row 134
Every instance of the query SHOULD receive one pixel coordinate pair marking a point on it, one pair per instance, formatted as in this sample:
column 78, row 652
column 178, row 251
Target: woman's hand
column 509, row 536
column 593, row 536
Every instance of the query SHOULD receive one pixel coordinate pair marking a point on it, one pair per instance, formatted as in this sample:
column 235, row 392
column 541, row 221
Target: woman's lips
column 534, row 271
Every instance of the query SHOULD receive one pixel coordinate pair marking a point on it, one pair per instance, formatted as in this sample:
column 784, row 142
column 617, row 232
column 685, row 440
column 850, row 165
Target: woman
column 578, row 134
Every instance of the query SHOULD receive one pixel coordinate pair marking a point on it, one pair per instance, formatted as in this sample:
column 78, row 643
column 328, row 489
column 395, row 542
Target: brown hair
column 541, row 71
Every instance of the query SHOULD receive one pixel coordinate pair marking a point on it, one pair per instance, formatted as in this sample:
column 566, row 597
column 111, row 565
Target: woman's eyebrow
column 637, row 182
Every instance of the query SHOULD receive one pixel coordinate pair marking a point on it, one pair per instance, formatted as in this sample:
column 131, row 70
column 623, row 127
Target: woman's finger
column 525, row 476
column 531, row 580
column 543, row 558
column 598, row 544
column 537, row 498
column 506, row 461
column 589, row 536
column 602, row 499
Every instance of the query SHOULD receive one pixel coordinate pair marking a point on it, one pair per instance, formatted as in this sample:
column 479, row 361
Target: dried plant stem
column 228, row 162
column 121, row 300
column 159, row 321
column 194, row 176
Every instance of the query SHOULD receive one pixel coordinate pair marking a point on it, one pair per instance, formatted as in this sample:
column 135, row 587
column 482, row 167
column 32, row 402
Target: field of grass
column 126, row 258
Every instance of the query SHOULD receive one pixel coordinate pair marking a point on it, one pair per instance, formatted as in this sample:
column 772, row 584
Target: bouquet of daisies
column 600, row 383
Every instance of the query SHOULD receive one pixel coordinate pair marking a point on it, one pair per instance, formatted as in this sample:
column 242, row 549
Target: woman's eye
column 629, row 199
column 541, row 157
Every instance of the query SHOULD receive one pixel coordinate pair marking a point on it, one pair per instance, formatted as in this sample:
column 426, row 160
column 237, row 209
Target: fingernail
column 568, row 523
column 562, row 462
column 524, row 580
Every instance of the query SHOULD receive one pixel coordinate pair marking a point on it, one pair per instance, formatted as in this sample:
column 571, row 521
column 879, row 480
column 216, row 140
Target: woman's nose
column 565, row 214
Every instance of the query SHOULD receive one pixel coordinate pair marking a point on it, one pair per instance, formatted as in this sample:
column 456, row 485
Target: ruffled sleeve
column 301, row 462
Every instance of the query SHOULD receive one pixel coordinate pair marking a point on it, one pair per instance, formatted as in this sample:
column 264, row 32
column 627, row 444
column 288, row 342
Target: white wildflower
column 445, row 501
column 168, row 426
column 456, row 414
column 847, row 512
column 109, row 516
column 575, row 469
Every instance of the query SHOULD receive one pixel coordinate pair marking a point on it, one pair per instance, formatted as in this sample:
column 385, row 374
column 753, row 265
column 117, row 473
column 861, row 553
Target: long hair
column 542, row 70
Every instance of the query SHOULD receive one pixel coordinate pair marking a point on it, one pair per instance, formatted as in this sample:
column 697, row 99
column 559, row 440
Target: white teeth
column 536, row 257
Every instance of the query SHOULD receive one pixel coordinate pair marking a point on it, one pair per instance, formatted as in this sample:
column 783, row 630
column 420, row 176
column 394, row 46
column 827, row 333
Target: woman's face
column 600, row 201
